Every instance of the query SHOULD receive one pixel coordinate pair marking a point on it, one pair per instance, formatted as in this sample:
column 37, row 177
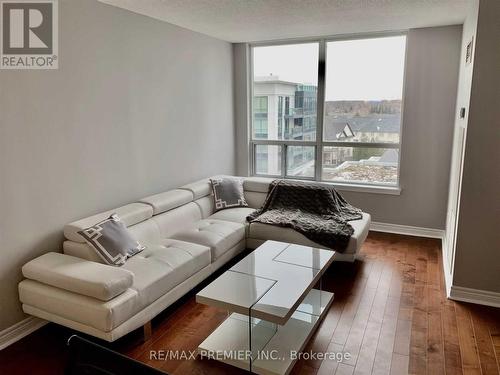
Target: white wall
column 428, row 120
column 463, row 99
column 137, row 106
column 477, row 257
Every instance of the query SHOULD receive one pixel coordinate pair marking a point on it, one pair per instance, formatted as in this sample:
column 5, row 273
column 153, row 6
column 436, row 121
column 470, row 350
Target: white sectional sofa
column 185, row 243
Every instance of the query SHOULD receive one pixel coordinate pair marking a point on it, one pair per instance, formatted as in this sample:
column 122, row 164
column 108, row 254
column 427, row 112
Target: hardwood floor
column 390, row 313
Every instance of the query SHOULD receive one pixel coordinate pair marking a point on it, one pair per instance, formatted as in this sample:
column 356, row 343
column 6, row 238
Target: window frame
column 320, row 143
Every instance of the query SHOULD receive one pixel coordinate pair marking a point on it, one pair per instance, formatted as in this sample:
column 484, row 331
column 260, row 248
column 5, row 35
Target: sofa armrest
column 79, row 276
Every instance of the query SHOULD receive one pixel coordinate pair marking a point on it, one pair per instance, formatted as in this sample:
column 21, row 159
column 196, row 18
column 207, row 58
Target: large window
column 353, row 137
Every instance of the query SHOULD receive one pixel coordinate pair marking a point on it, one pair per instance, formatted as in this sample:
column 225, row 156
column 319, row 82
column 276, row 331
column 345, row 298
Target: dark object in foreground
column 318, row 212
column 87, row 358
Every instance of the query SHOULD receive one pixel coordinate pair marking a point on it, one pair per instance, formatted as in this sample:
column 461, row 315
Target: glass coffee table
column 273, row 307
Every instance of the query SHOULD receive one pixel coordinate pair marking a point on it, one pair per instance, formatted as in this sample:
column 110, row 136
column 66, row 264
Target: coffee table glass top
column 269, row 283
column 295, row 254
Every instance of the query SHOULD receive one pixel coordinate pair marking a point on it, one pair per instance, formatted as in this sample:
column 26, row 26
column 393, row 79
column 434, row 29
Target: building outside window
column 358, row 138
column 260, row 117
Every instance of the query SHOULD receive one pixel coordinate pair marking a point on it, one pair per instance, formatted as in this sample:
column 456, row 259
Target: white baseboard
column 19, row 330
column 406, row 230
column 481, row 297
column 460, row 293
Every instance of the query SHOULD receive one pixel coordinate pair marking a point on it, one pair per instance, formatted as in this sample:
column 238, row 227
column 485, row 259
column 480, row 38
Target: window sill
column 359, row 188
column 391, row 190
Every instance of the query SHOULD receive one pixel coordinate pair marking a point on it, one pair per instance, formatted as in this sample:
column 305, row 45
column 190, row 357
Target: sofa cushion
column 177, row 219
column 255, row 199
column 257, row 184
column 130, row 214
column 262, row 231
column 168, row 200
column 81, row 250
column 146, row 232
column 361, row 229
column 219, row 235
column 102, row 315
column 206, row 205
column 111, row 240
column 235, row 215
column 199, row 189
column 159, row 268
column 80, row 276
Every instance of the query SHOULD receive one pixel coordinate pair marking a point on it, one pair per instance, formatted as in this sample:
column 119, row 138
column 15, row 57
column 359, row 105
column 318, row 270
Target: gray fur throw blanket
column 318, row 212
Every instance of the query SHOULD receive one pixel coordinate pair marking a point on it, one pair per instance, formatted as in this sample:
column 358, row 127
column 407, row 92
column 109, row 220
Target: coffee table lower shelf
column 275, row 349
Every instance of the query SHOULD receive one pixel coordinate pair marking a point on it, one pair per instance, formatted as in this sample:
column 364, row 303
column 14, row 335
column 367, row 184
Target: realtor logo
column 29, row 34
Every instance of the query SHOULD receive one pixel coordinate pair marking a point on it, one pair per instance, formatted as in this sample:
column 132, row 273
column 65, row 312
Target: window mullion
column 320, row 107
column 283, row 160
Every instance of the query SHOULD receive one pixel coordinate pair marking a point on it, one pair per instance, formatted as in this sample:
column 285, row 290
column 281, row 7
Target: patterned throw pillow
column 112, row 241
column 228, row 192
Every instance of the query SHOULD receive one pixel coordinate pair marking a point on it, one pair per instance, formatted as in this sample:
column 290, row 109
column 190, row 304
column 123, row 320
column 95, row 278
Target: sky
column 362, row 69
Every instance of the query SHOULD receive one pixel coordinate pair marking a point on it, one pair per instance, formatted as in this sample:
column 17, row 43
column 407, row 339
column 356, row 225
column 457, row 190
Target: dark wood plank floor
column 390, row 313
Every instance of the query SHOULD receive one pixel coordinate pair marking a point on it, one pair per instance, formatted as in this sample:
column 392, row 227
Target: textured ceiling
column 260, row 20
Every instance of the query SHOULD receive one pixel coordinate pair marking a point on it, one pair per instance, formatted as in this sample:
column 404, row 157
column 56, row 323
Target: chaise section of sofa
column 256, row 189
column 185, row 240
